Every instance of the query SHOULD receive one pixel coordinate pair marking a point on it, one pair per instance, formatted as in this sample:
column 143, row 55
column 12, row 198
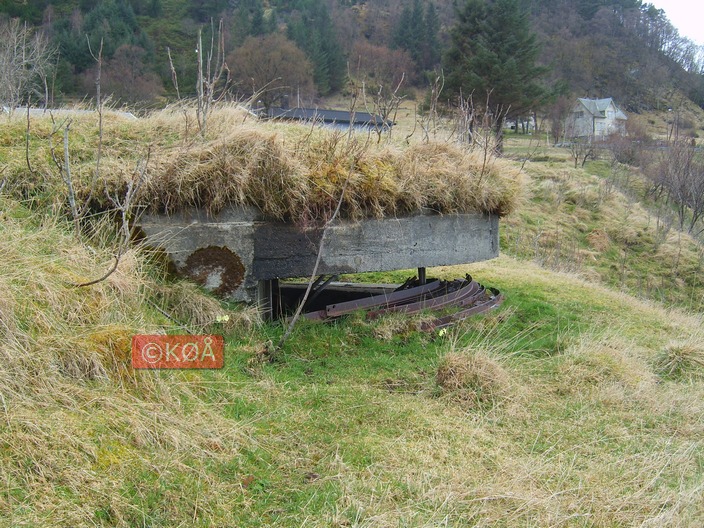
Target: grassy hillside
column 596, row 221
column 574, row 404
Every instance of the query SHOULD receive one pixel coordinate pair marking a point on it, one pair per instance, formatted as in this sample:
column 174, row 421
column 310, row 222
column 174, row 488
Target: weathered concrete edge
column 270, row 250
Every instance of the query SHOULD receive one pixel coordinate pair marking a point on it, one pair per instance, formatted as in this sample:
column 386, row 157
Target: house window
column 610, row 114
column 580, row 114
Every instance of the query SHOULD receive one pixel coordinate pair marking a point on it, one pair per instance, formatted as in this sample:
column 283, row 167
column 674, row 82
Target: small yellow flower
column 222, row 318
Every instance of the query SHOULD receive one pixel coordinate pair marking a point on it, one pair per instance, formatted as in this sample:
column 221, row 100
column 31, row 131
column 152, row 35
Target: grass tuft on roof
column 289, row 172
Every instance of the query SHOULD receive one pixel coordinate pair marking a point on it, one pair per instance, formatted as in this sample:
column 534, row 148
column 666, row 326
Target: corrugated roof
column 328, row 116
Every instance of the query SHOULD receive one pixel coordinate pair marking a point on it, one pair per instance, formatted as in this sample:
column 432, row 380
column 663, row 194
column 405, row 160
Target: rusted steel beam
column 466, row 296
column 335, row 310
column 441, row 322
column 455, row 294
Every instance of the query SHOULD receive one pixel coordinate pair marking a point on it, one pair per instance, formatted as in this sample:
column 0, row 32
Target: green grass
column 578, row 404
column 579, row 220
column 349, row 428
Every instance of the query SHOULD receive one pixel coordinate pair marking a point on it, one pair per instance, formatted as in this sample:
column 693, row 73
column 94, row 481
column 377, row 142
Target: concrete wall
column 232, row 252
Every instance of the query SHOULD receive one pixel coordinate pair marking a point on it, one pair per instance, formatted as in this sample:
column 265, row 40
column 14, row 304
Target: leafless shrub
column 630, row 148
column 582, row 150
column 430, row 122
column 464, row 120
column 558, row 115
column 26, row 62
column 678, row 171
column 383, row 105
column 213, row 75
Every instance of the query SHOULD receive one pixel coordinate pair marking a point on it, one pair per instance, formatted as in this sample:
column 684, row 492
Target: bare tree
column 464, row 120
column 213, row 74
column 429, row 124
column 682, row 174
column 270, row 67
column 383, row 108
column 26, row 62
column 582, row 150
column 558, row 115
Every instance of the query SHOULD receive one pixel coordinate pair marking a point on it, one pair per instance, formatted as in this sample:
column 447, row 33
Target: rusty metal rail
column 452, row 301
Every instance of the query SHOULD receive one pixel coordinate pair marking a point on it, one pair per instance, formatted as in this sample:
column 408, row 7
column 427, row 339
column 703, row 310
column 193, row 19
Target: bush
column 473, row 378
column 682, row 360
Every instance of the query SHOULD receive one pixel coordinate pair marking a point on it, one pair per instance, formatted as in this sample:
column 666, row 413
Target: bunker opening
column 447, row 301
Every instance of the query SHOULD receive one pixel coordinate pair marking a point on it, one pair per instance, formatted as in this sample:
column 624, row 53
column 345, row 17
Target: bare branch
column 314, row 273
column 99, row 106
column 26, row 60
column 64, row 167
column 26, row 142
column 215, row 73
column 101, row 279
column 174, row 77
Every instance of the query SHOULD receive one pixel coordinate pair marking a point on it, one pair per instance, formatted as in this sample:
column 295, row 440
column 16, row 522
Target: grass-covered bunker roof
column 290, row 172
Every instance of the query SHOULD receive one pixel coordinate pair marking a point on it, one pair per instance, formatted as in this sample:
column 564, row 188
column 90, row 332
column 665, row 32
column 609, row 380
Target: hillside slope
column 626, row 49
column 573, row 404
column 597, row 221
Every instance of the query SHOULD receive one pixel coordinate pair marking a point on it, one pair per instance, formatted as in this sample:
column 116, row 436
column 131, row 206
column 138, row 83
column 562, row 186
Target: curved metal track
column 453, row 301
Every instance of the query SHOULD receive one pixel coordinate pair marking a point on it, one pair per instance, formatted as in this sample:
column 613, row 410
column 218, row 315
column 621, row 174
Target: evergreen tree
column 417, row 33
column 415, row 46
column 205, row 10
column 431, row 53
column 250, row 19
column 312, row 30
column 257, row 26
column 403, row 33
column 493, row 55
column 27, row 11
column 112, row 21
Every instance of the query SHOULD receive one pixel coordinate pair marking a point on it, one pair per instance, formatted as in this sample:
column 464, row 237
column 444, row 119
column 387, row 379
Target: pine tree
column 417, row 33
column 431, row 52
column 493, row 57
column 312, row 30
column 403, row 33
column 258, row 24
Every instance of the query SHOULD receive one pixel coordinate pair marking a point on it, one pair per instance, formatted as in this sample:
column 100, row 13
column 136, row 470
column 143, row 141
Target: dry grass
column 474, row 378
column 289, row 172
column 77, row 424
column 599, row 359
column 475, row 371
column 302, row 180
column 682, row 359
column 188, row 306
column 84, row 443
column 573, row 430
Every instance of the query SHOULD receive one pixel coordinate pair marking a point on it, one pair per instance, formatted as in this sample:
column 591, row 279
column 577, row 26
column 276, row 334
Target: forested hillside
column 145, row 49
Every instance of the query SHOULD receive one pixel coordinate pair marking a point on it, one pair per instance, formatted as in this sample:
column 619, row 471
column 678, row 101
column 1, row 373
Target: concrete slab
column 234, row 251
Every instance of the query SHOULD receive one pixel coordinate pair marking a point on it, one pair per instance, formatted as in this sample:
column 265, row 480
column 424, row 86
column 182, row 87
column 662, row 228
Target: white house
column 596, row 118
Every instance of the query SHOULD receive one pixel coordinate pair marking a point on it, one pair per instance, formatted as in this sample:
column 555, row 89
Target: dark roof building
column 330, row 117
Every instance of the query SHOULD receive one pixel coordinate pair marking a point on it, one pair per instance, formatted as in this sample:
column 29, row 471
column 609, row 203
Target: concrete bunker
column 241, row 255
